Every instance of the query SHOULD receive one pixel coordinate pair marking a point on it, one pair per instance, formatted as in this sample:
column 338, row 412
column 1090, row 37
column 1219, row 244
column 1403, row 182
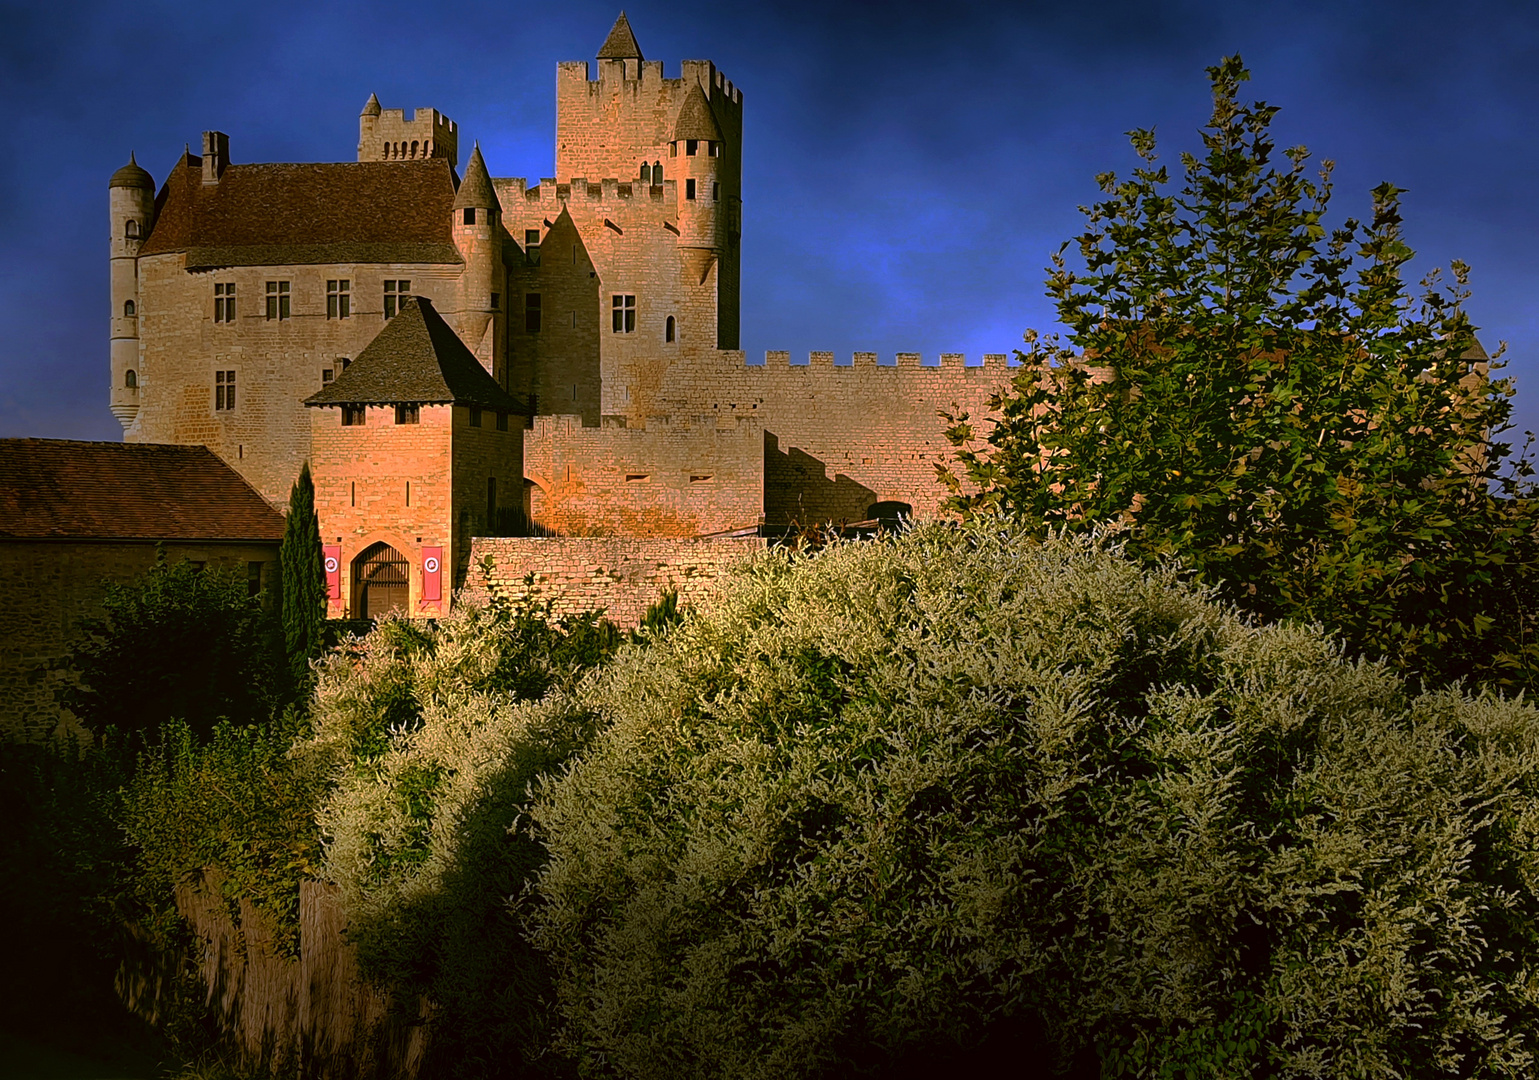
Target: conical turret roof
column 131, row 176
column 695, row 120
column 371, row 107
column 417, row 359
column 621, row 42
column 476, row 189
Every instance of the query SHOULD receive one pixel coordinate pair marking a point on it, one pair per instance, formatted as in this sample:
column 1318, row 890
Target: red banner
column 331, row 558
column 432, row 569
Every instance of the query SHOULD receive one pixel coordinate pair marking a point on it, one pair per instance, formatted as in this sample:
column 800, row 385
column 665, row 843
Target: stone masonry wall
column 688, row 477
column 622, row 576
column 56, row 585
column 840, row 437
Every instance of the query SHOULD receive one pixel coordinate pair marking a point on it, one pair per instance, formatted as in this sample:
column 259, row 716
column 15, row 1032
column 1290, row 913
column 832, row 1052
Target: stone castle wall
column 624, row 576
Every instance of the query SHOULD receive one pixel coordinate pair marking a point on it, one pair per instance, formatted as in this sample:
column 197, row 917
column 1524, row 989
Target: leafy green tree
column 304, row 581
column 1265, row 400
column 178, row 643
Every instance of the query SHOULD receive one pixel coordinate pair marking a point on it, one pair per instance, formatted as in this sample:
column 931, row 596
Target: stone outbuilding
column 415, row 449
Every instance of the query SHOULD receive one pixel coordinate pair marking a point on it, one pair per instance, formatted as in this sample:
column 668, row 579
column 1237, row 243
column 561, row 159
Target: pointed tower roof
column 417, row 359
column 621, row 42
column 131, row 176
column 476, row 189
column 695, row 120
column 371, row 107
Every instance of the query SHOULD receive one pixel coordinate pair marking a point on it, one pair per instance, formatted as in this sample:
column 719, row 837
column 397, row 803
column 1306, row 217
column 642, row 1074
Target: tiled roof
column 416, row 359
column 621, row 42
column 62, row 490
column 131, row 176
column 262, row 215
column 695, row 120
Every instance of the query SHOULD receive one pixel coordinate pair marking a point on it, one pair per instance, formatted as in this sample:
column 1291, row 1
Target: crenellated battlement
column 392, row 135
column 780, row 358
column 580, row 190
column 649, row 75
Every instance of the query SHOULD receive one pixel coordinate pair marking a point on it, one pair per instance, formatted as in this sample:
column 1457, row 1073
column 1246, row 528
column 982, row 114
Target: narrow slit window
column 646, row 175
column 689, row 188
column 532, row 313
column 669, row 330
column 129, row 310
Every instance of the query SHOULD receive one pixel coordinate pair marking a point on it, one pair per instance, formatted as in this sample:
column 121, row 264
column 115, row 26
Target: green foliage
column 1265, row 400
column 434, row 736
column 663, row 613
column 304, row 581
column 239, row 802
column 180, row 643
column 902, row 795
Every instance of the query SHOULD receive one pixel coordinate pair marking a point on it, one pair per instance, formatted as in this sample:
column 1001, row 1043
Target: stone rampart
column 624, row 576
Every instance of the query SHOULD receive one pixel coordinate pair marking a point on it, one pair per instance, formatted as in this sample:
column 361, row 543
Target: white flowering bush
column 906, row 795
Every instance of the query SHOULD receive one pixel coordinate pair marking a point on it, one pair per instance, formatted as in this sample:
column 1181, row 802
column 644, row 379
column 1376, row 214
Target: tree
column 1264, row 400
column 304, row 581
column 178, row 643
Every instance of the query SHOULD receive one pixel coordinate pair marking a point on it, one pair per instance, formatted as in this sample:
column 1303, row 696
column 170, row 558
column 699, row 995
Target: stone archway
column 381, row 582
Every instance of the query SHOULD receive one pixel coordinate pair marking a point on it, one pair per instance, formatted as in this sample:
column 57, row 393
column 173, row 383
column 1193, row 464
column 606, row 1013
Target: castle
column 468, row 358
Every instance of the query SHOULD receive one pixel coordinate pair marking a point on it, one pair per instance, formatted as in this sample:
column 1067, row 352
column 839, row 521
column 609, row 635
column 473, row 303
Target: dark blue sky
column 907, row 167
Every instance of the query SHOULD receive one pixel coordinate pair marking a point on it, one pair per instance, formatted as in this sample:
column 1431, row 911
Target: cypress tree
column 304, row 580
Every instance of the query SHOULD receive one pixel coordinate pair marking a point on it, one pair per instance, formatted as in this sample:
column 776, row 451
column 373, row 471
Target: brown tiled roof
column 55, row 489
column 695, row 120
column 621, row 42
column 476, row 189
column 264, row 215
column 416, row 359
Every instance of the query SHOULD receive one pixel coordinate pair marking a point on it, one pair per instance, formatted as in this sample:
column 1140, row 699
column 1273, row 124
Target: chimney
column 216, row 155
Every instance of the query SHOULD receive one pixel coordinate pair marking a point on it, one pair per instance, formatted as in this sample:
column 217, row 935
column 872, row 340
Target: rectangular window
column 407, row 414
column 253, row 578
column 532, row 313
column 224, row 302
column 475, row 416
column 339, row 299
column 352, row 416
column 691, row 147
column 689, row 189
column 277, row 299
column 496, row 301
column 532, row 245
column 470, row 215
column 396, row 293
column 224, row 391
column 327, row 374
column 502, row 421
column 715, row 190
column 623, row 314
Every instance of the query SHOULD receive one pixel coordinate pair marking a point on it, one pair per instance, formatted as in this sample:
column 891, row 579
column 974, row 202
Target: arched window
column 380, row 582
column 646, row 173
column 668, row 330
column 414, row 148
column 130, row 380
column 657, row 173
column 131, row 230
column 129, row 310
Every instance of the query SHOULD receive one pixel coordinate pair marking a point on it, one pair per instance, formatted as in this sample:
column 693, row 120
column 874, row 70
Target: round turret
column 477, row 227
column 131, row 204
column 695, row 150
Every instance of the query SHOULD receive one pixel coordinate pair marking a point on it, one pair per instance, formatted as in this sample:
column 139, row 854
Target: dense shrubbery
column 903, row 793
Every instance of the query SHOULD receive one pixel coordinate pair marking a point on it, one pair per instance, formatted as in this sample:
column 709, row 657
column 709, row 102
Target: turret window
column 129, row 310
column 470, row 215
column 339, row 299
column 691, row 147
column 689, row 188
column 277, row 300
column 224, row 391
column 224, row 302
column 130, row 380
column 396, row 294
column 623, row 314
column 532, row 313
column 131, row 230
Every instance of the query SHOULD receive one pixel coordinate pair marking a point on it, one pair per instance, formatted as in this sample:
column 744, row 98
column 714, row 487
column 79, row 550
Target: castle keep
column 468, row 357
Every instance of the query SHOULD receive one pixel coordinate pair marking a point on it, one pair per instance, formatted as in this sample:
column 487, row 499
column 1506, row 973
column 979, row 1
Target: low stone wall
column 624, row 576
